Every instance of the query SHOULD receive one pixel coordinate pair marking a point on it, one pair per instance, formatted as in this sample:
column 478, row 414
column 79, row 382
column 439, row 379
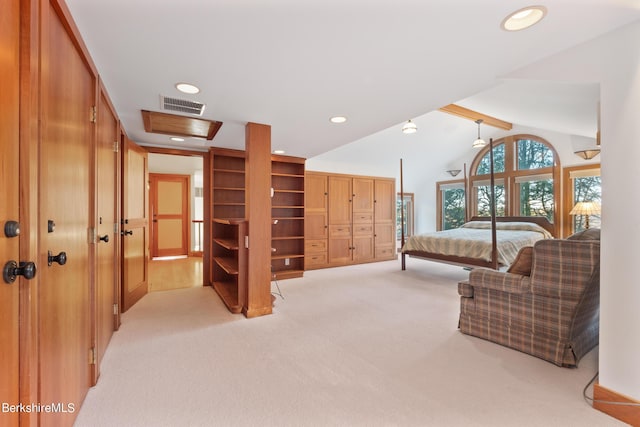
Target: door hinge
column 93, row 115
column 116, row 147
column 115, row 309
column 93, row 357
column 115, row 228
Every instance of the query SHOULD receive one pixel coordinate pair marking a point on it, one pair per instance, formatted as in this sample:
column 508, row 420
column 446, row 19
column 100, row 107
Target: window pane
column 586, row 189
column 484, row 200
column 484, row 167
column 453, row 203
column 536, row 198
column 533, row 155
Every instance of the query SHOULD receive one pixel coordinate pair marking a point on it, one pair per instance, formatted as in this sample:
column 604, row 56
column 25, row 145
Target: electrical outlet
column 287, row 261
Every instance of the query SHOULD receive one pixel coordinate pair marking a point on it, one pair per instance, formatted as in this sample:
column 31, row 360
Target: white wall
column 613, row 61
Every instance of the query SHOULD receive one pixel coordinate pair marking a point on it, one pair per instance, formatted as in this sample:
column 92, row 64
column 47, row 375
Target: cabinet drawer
column 339, row 231
column 363, row 229
column 315, row 246
column 315, row 259
column 362, row 217
column 385, row 252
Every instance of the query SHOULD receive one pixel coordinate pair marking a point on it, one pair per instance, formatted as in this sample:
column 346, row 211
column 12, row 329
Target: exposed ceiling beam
column 459, row 111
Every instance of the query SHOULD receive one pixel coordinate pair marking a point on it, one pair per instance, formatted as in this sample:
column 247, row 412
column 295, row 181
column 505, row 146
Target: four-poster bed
column 476, row 243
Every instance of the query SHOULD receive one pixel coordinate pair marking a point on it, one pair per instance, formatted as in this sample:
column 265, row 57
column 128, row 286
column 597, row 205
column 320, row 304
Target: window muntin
column 484, row 167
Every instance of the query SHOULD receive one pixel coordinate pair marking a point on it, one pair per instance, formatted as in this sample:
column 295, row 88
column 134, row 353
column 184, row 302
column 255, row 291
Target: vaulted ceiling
column 294, row 64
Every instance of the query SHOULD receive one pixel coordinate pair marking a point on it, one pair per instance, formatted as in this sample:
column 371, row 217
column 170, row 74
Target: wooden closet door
column 107, row 249
column 68, row 88
column 340, row 218
column 9, row 185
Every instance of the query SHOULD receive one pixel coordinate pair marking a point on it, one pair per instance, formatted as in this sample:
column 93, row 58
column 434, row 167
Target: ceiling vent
column 181, row 105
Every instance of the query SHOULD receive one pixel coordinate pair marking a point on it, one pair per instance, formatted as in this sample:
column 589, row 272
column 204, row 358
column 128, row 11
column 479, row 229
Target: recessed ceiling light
column 278, row 151
column 187, row 88
column 176, row 139
column 338, row 119
column 524, row 18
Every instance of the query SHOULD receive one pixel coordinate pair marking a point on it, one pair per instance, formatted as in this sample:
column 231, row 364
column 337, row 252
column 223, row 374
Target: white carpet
column 366, row 345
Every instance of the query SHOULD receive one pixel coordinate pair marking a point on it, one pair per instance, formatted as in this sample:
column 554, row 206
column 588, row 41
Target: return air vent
column 181, row 105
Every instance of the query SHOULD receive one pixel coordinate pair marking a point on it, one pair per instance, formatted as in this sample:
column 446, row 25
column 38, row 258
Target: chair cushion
column 522, row 264
column 588, row 234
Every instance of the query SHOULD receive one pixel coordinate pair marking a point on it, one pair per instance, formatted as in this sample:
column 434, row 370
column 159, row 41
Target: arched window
column 526, row 177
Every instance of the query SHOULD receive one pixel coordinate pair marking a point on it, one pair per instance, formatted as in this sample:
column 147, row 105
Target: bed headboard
column 540, row 220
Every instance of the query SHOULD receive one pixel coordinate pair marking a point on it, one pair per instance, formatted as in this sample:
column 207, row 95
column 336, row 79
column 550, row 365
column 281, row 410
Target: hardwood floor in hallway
column 168, row 274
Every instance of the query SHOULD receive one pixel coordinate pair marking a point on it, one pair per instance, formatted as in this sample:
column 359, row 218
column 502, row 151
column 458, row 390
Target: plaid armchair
column 553, row 314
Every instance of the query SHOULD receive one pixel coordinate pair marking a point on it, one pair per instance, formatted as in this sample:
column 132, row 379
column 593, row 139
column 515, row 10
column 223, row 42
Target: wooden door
column 363, row 197
column 170, row 214
column 340, row 196
column 9, row 246
column 340, row 215
column 68, row 88
column 105, row 302
column 135, row 227
column 385, row 219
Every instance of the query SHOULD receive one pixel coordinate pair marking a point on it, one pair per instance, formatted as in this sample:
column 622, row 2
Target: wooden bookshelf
column 229, row 266
column 287, row 216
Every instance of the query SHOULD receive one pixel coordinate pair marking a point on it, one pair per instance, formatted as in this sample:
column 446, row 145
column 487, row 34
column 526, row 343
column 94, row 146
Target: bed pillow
column 522, row 264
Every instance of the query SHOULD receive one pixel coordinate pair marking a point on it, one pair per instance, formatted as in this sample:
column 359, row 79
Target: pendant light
column 409, row 127
column 479, row 143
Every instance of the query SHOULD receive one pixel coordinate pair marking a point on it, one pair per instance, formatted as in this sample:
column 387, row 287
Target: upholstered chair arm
column 500, row 281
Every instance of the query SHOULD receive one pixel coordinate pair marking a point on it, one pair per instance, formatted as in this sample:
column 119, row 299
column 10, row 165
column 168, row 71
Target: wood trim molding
column 172, row 124
column 625, row 413
column 466, row 113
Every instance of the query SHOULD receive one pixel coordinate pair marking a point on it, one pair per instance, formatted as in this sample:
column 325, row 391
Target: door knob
column 61, row 258
column 127, row 232
column 11, row 271
column 104, row 238
column 12, row 228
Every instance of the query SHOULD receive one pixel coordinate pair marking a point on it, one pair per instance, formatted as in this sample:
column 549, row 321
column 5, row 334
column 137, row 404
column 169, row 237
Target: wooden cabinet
column 229, row 266
column 316, row 224
column 349, row 219
column 287, row 214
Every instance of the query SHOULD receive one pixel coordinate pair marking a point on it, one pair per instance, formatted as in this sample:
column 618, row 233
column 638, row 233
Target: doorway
column 177, row 212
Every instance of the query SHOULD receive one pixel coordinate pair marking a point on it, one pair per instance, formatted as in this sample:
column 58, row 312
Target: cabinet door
column 315, row 192
column 340, row 209
column 315, row 225
column 363, row 195
column 385, row 197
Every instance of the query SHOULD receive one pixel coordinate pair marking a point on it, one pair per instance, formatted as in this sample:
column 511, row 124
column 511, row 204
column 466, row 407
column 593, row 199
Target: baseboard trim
column 627, row 414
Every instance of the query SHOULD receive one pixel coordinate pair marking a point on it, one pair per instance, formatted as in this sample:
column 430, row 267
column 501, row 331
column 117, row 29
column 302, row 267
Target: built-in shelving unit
column 228, row 183
column 287, row 217
column 229, row 267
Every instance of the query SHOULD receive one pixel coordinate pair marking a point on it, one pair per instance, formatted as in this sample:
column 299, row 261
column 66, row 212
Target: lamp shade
column 586, row 208
column 409, row 127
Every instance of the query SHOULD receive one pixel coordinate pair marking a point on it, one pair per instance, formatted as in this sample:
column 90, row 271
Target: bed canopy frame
column 466, row 261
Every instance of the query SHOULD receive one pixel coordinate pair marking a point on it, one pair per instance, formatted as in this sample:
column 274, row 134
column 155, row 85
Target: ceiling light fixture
column 409, row 127
column 523, row 18
column 176, row 139
column 278, row 151
column 187, row 88
column 479, row 142
column 587, row 154
column 338, row 119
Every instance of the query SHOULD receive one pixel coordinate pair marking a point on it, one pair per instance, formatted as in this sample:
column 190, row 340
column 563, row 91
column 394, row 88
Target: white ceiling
column 293, row 64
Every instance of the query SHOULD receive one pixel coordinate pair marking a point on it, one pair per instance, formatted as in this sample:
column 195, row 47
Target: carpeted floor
column 366, row 345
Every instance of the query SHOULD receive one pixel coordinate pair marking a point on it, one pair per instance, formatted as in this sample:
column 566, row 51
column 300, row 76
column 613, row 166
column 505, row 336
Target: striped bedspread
column 473, row 240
